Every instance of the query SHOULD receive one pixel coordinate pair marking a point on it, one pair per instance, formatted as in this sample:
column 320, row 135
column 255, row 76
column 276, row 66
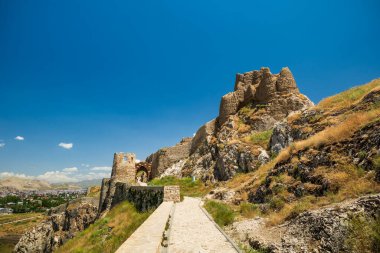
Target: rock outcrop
column 322, row 230
column 167, row 157
column 62, row 224
column 223, row 146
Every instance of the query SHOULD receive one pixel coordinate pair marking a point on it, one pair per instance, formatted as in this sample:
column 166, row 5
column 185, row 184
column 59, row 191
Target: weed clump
column 222, row 214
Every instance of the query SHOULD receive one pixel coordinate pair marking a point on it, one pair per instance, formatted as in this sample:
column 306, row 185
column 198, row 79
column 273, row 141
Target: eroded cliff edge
column 222, row 147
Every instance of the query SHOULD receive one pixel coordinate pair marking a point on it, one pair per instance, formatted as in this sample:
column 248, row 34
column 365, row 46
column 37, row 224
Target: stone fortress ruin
column 128, row 182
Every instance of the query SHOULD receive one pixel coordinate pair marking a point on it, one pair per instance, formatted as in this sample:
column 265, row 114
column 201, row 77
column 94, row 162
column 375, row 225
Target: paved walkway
column 193, row 232
column 147, row 238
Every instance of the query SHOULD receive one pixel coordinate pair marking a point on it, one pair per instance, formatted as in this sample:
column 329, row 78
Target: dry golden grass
column 93, row 191
column 251, row 180
column 339, row 132
column 243, row 128
column 348, row 97
column 307, row 129
column 352, row 182
column 293, row 117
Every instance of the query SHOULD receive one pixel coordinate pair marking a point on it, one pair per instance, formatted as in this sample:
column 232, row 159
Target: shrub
column 249, row 210
column 276, row 203
column 222, row 214
column 261, row 138
column 298, row 208
column 364, row 234
column 376, row 163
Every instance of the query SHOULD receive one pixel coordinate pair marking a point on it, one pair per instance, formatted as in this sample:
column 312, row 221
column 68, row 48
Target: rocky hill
column 14, row 184
column 236, row 140
column 290, row 175
column 24, row 184
column 272, row 154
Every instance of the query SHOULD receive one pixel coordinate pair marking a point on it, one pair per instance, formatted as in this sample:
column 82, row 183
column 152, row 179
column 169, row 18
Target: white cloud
column 85, row 165
column 71, row 169
column 2, row 145
column 137, row 160
column 11, row 174
column 102, row 168
column 19, row 138
column 66, row 145
column 59, row 176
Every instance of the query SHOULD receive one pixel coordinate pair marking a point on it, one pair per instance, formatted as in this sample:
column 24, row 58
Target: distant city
column 22, row 201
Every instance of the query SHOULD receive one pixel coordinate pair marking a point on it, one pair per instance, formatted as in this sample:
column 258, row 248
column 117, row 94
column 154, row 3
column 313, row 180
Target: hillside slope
column 322, row 156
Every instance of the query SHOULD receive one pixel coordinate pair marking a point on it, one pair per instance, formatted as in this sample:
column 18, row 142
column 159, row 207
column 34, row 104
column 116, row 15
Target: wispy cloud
column 19, row 138
column 85, row 165
column 71, row 169
column 2, row 145
column 66, row 145
column 102, row 168
column 59, row 176
column 11, row 174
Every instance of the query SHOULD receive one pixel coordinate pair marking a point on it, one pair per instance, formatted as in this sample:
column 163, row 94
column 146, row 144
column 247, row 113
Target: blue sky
column 110, row 76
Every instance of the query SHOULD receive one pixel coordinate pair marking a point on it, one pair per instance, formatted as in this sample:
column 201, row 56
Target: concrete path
column 147, row 238
column 192, row 231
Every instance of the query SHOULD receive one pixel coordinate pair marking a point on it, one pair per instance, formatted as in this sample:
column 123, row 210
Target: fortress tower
column 123, row 169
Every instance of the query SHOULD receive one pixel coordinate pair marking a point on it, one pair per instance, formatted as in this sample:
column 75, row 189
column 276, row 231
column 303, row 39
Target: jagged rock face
column 218, row 151
column 361, row 149
column 325, row 230
column 39, row 240
column 62, row 224
column 166, row 157
column 321, row 230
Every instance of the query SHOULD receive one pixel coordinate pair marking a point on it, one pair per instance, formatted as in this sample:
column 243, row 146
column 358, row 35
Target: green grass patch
column 108, row 233
column 261, row 138
column 246, row 110
column 187, row 186
column 222, row 214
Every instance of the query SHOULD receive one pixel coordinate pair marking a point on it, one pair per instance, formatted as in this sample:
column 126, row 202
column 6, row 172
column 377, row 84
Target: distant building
column 6, row 210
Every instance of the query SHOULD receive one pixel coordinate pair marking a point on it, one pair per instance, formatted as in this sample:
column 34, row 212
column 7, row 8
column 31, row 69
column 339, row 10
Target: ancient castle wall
column 145, row 197
column 123, row 169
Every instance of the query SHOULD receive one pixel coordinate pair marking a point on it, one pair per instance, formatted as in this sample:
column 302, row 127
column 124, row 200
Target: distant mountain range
column 24, row 184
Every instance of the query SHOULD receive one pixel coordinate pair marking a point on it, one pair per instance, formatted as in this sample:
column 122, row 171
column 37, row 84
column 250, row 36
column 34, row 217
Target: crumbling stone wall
column 145, row 197
column 172, row 193
column 123, row 169
column 122, row 185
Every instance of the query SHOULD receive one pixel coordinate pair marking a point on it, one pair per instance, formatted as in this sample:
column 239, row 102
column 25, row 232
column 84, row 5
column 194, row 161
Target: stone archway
column 143, row 172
